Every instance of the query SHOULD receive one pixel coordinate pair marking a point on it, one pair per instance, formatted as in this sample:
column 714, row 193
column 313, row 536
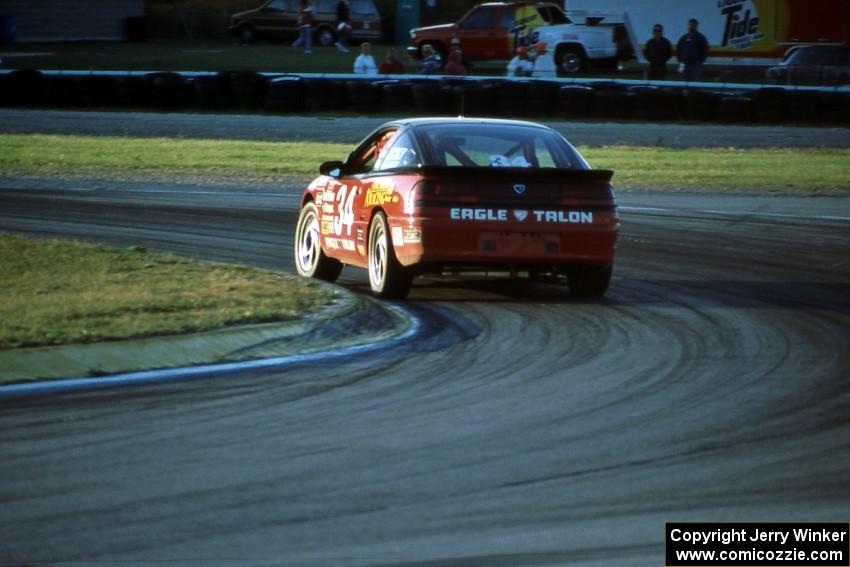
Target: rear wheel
column 589, row 281
column 387, row 277
column 570, row 60
column 310, row 259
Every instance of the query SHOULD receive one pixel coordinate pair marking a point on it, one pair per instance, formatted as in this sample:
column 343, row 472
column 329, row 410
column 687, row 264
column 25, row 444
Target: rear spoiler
column 504, row 173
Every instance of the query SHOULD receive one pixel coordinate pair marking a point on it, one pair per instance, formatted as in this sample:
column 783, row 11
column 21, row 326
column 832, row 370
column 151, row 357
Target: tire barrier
column 803, row 106
column 432, row 98
column 248, row 89
column 324, row 94
column 835, row 108
column 212, row 92
column 472, row 99
column 397, row 95
column 657, row 103
column 736, row 109
column 771, row 104
column 135, row 92
column 364, row 96
column 25, row 88
column 614, row 103
column 542, row 98
column 63, row 91
column 576, row 101
column 170, row 91
column 98, row 91
column 285, row 94
column 702, row 105
column 510, row 99
column 536, row 98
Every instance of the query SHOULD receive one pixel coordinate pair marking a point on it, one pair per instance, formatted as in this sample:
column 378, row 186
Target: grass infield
column 759, row 170
column 65, row 292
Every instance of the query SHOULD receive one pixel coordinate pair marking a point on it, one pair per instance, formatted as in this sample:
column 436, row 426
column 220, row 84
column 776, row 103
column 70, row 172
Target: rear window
column 496, row 145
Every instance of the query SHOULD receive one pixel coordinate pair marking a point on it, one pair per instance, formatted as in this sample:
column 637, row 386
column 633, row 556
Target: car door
column 344, row 215
column 480, row 36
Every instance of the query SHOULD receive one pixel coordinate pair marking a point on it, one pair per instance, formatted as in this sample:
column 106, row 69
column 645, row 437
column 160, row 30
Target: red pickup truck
column 490, row 31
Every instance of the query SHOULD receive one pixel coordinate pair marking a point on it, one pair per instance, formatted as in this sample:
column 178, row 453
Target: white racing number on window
column 344, row 215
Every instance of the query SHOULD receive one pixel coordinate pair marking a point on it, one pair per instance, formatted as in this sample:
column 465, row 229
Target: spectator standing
column 365, row 63
column 520, row 65
column 430, row 61
column 624, row 47
column 692, row 51
column 544, row 64
column 455, row 45
column 454, row 64
column 343, row 13
column 305, row 27
column 658, row 50
column 391, row 65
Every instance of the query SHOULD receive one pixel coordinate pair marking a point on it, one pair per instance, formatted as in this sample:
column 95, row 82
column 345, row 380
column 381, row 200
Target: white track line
column 205, row 371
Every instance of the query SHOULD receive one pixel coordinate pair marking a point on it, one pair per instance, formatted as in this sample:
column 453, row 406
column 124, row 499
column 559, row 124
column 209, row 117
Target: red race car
column 435, row 195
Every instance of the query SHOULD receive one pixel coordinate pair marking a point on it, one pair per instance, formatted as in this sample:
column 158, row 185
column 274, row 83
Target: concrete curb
column 352, row 327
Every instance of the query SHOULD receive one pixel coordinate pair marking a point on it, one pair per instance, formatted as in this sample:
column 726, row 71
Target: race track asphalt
column 525, row 428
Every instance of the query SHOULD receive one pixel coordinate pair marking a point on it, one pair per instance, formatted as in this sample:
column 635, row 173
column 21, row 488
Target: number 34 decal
column 344, row 210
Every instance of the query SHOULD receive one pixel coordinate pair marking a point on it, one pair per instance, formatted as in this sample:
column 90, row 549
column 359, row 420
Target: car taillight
column 431, row 192
column 584, row 193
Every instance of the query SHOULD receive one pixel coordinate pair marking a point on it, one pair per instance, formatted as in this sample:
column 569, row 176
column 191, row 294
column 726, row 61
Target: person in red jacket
column 391, row 65
column 454, row 65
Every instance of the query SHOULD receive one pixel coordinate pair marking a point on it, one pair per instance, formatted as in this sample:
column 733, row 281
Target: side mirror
column 332, row 168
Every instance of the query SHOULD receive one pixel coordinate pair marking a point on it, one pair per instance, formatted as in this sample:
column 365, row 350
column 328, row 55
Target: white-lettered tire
column 589, row 281
column 310, row 260
column 387, row 277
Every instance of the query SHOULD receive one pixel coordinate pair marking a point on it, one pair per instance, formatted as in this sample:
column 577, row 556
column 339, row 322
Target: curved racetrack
column 526, row 428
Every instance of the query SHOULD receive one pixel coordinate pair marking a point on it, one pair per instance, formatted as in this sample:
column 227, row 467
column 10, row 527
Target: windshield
column 496, row 145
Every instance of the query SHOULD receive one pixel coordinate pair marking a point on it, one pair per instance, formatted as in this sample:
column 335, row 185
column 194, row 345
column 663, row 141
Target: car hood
column 438, row 28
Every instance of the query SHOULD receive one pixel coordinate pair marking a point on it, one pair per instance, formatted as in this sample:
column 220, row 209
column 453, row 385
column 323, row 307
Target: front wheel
column 589, row 281
column 387, row 277
column 310, row 260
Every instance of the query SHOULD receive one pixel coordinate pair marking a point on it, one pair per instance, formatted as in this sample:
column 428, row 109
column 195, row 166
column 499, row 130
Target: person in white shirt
column 365, row 63
column 520, row 65
column 544, row 64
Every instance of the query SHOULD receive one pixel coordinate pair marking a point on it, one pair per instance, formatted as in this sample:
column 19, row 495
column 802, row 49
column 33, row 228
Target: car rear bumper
column 571, row 236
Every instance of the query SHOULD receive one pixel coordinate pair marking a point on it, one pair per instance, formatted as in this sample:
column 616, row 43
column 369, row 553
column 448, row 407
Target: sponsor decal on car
column 380, row 193
column 576, row 217
column 478, row 214
column 501, row 215
column 327, row 227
